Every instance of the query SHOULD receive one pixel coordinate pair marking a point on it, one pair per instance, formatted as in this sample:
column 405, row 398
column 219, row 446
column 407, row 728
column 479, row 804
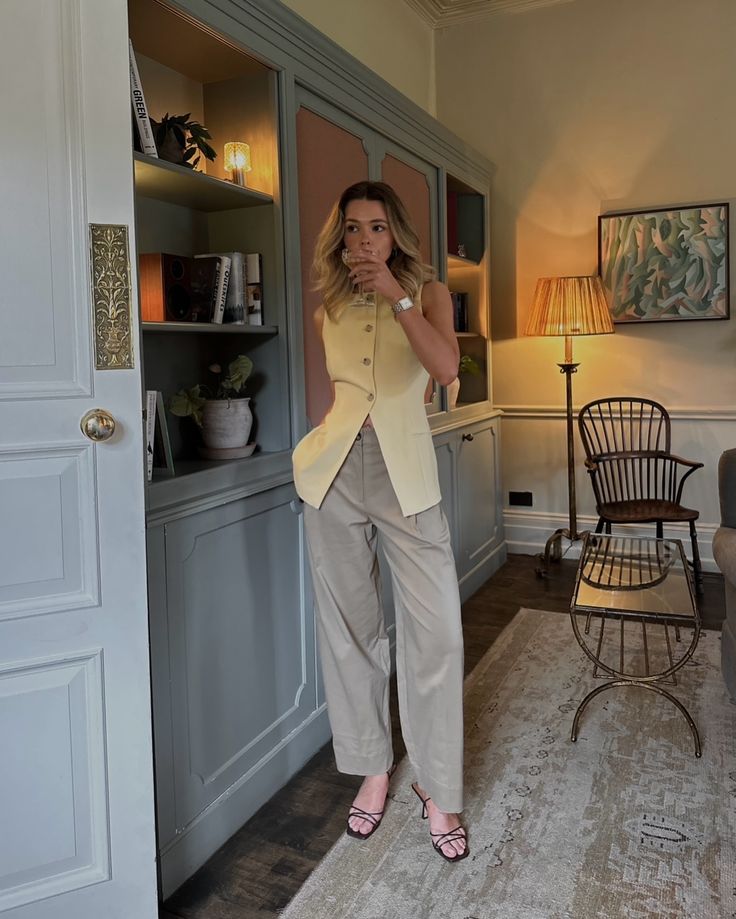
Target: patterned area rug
column 624, row 824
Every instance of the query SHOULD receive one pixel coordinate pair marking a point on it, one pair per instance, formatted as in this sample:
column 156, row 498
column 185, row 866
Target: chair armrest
column 683, row 462
column 643, row 454
column 634, row 474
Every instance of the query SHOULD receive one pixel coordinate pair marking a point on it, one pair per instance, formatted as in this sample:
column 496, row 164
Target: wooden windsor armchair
column 635, row 477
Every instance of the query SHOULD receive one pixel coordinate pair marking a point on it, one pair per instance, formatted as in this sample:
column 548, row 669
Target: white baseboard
column 528, row 531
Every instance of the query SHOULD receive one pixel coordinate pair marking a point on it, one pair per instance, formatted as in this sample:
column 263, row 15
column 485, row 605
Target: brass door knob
column 98, row 425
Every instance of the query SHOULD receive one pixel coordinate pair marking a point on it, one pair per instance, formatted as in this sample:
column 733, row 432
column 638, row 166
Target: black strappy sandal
column 373, row 818
column 441, row 839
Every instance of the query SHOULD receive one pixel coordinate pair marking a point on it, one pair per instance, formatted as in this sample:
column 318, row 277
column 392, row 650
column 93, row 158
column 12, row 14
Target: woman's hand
column 374, row 274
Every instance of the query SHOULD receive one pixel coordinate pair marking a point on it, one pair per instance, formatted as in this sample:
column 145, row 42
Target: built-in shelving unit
column 186, row 67
column 467, row 275
column 237, row 700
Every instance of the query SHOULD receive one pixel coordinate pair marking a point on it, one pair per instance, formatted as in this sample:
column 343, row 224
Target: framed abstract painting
column 665, row 264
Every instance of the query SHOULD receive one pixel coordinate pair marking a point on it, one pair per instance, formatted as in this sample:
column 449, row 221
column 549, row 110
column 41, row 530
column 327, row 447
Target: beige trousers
column 360, row 506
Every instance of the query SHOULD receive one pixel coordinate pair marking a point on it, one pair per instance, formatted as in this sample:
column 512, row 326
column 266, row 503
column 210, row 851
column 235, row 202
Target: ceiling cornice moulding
column 440, row 13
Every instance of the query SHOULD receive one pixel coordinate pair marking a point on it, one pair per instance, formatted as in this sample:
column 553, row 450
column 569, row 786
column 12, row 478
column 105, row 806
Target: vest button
column 369, row 328
column 370, row 396
column 366, row 361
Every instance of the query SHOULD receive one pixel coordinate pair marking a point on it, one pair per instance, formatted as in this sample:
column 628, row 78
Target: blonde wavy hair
column 405, row 262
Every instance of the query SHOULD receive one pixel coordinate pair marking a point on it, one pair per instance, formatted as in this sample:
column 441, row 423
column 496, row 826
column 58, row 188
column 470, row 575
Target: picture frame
column 665, row 264
column 163, row 459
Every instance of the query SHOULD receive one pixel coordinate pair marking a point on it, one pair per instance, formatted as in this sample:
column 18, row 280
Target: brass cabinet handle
column 98, row 425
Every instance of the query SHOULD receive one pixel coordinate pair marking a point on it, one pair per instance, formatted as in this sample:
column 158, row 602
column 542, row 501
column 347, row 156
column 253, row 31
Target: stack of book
column 243, row 302
column 219, row 287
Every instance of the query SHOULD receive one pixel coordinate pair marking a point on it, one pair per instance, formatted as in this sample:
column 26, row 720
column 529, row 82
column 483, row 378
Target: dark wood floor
column 257, row 872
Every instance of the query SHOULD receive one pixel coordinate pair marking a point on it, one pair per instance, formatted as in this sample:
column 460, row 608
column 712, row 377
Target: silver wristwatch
column 405, row 303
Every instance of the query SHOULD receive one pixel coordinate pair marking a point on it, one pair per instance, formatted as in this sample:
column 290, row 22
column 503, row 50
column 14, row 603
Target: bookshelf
column 186, row 67
column 467, row 273
column 229, row 591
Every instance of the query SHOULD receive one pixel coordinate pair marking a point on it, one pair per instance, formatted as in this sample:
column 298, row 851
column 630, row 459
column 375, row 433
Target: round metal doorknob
column 467, row 436
column 98, row 425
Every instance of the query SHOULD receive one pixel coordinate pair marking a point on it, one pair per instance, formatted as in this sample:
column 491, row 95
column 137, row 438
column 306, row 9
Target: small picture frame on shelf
column 163, row 459
column 665, row 264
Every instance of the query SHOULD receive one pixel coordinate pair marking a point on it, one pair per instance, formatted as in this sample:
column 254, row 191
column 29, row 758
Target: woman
column 370, row 468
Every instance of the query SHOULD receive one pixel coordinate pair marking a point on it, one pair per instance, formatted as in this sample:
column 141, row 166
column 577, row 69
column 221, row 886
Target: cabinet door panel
column 413, row 187
column 477, row 489
column 240, row 648
column 415, row 182
column 330, row 158
column 445, row 450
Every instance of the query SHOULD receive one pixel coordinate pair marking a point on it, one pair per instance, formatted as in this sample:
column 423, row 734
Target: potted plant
column 181, row 141
column 222, row 410
column 467, row 365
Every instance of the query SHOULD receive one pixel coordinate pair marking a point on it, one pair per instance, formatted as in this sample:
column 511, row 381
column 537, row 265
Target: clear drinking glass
column 360, row 297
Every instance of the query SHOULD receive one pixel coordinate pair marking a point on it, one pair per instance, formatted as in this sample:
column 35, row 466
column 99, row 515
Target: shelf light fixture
column 237, row 161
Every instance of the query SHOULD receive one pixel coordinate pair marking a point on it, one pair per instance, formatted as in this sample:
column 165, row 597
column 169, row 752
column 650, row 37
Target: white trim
column 676, row 413
column 528, row 531
column 441, row 13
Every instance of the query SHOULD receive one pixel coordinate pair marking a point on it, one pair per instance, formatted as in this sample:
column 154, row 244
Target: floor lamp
column 568, row 306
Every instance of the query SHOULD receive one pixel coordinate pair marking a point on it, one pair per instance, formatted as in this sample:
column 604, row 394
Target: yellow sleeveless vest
column 375, row 372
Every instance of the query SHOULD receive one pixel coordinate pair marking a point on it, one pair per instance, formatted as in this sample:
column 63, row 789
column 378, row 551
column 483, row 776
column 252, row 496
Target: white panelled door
column 76, row 790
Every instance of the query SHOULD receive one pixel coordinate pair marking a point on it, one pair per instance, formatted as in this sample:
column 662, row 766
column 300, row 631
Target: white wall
column 385, row 35
column 584, row 108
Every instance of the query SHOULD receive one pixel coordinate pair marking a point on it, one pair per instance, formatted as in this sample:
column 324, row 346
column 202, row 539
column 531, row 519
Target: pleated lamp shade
column 569, row 306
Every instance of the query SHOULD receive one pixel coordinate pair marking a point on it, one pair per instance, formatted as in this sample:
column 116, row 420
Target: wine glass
column 360, row 297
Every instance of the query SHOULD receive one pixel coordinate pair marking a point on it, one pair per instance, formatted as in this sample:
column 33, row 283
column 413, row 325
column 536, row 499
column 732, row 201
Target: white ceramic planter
column 226, row 423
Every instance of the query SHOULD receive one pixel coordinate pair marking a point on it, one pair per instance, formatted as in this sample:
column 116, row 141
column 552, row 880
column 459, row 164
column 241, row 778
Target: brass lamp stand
column 568, row 306
column 553, row 546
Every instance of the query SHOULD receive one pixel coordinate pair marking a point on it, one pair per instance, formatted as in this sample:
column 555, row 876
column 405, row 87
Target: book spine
column 235, row 303
column 463, row 312
column 254, row 289
column 221, row 286
column 460, row 310
column 150, row 431
column 140, row 109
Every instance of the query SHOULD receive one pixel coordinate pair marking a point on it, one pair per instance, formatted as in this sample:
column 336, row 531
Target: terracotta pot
column 226, row 423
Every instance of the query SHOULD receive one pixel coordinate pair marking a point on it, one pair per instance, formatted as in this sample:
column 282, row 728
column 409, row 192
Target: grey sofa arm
column 727, row 488
column 724, row 552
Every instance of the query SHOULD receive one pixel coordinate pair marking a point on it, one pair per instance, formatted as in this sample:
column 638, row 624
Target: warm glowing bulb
column 237, row 161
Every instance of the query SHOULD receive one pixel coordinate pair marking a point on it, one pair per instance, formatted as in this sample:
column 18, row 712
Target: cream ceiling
column 439, row 13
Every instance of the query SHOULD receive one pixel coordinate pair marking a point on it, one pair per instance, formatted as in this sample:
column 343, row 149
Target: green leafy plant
column 468, row 365
column 181, row 141
column 231, row 385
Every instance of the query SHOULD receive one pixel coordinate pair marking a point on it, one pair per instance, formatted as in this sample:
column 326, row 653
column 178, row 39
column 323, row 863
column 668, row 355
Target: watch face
column 403, row 304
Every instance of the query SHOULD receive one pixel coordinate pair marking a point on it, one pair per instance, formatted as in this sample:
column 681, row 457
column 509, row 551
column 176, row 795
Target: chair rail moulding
column 679, row 413
column 441, row 13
